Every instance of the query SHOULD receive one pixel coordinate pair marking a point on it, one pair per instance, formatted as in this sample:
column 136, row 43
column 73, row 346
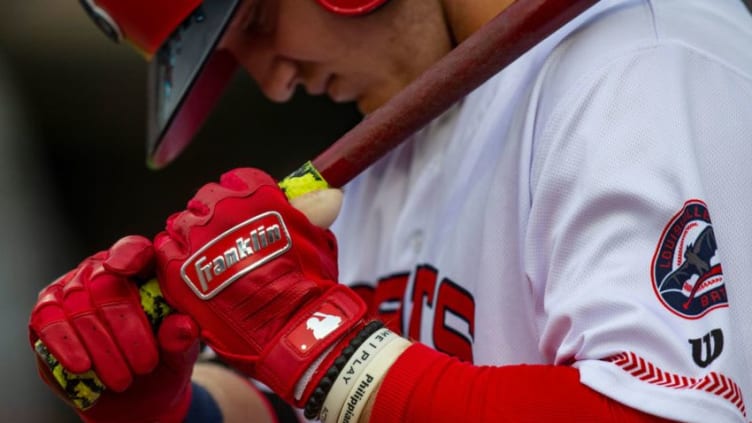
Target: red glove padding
column 259, row 279
column 91, row 318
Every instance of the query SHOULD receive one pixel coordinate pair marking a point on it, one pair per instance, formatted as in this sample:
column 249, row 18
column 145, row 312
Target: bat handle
column 84, row 389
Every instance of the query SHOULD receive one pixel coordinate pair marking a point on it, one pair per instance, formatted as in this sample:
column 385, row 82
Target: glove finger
column 200, row 209
column 177, row 334
column 233, row 184
column 119, row 305
column 129, row 256
column 246, row 179
column 320, row 208
column 108, row 362
column 167, row 248
column 49, row 324
column 178, row 338
column 106, row 358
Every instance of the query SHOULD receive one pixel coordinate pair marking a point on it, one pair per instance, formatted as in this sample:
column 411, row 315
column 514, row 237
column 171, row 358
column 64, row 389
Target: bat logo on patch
column 686, row 270
column 697, row 258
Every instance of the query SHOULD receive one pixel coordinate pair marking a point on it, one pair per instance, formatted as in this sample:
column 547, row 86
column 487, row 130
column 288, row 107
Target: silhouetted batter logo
column 686, row 270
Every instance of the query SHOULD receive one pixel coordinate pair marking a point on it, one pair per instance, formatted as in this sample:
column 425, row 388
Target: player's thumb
column 130, row 255
column 320, row 206
column 178, row 339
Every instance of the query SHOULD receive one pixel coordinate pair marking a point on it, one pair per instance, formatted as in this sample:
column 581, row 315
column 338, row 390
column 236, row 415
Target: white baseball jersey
column 591, row 206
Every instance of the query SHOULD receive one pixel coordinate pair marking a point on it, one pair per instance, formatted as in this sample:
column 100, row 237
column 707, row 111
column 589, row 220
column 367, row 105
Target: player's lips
column 319, row 85
column 339, row 91
column 331, row 85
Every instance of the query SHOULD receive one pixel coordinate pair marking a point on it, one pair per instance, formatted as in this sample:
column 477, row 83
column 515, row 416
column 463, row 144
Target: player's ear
column 320, row 206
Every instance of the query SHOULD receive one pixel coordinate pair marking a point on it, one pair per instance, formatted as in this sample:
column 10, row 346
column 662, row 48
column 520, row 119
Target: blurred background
column 72, row 167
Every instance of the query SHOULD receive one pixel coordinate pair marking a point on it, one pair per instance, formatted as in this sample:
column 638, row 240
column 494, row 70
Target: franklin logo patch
column 235, row 253
column 686, row 270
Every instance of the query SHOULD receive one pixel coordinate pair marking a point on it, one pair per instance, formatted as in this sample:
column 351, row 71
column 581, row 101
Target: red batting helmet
column 187, row 74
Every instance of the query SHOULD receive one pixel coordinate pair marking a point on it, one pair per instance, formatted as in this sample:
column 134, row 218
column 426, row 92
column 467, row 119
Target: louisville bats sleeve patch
column 686, row 269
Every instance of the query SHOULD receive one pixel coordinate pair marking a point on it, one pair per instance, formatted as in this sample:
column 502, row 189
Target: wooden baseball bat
column 497, row 44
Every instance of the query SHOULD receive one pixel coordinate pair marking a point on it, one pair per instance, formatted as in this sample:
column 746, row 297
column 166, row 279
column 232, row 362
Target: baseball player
column 570, row 242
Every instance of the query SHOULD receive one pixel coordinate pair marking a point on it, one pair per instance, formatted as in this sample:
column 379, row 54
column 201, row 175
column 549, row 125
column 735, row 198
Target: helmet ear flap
column 351, row 7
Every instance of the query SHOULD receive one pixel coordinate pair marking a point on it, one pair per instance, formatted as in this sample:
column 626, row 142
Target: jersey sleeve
column 630, row 246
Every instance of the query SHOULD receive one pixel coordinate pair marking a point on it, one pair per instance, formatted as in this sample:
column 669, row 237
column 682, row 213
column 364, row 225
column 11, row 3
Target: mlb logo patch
column 686, row 271
column 320, row 324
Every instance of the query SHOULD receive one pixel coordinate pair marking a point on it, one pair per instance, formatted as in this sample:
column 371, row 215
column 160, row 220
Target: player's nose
column 276, row 75
column 280, row 80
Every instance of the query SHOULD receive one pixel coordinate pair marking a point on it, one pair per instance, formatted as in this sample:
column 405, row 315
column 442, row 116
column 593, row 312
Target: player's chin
column 365, row 99
column 364, row 106
column 368, row 103
column 377, row 95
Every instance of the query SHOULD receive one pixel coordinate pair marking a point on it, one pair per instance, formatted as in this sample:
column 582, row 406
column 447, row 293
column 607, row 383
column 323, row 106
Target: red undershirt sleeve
column 424, row 385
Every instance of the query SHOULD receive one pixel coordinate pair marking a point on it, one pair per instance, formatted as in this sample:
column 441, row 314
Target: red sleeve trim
column 425, row 385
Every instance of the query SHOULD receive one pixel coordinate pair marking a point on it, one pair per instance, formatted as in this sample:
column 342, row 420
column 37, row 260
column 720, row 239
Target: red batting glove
column 91, row 319
column 260, row 280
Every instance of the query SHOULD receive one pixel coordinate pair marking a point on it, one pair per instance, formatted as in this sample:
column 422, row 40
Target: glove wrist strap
column 314, row 330
column 320, row 326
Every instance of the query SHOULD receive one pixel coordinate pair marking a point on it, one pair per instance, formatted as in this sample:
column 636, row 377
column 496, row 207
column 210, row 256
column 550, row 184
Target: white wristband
column 369, row 380
column 355, row 366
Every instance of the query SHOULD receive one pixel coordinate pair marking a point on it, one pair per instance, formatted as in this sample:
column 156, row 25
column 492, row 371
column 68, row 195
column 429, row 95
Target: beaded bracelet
column 314, row 403
column 357, row 364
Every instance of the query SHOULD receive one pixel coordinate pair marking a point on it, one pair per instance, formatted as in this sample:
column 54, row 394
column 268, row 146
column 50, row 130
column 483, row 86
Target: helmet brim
column 187, row 76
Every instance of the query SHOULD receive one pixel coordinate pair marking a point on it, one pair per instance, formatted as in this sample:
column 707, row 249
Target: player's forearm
column 425, row 385
column 237, row 399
